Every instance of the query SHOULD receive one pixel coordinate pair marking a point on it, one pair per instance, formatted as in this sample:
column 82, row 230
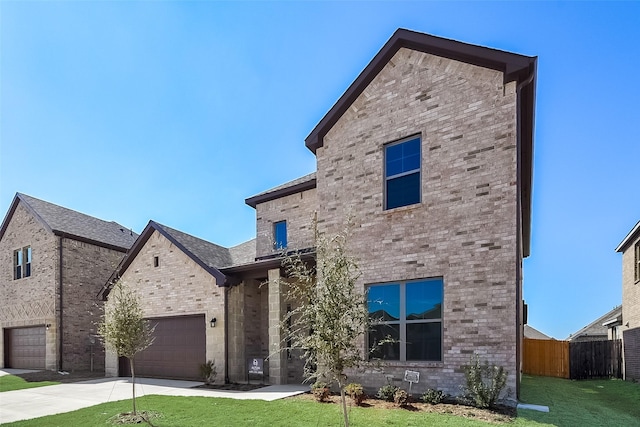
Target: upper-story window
column 406, row 320
column 22, row 263
column 280, row 235
column 636, row 264
column 402, row 173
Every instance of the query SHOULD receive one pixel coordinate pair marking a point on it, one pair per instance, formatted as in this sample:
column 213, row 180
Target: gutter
column 226, row 334
column 60, row 338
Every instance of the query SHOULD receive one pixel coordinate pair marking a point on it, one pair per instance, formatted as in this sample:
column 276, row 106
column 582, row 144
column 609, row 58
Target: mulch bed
column 499, row 415
column 235, row 387
column 72, row 377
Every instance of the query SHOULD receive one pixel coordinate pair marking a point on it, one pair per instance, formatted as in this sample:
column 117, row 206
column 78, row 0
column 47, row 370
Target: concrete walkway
column 55, row 399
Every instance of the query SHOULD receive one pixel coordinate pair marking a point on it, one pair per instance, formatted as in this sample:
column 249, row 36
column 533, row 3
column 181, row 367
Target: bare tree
column 331, row 313
column 124, row 329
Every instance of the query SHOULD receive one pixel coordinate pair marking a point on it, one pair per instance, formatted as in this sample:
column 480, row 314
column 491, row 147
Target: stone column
column 277, row 358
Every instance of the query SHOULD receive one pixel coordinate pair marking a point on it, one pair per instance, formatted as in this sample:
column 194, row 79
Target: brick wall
column 29, row 301
column 464, row 230
column 178, row 286
column 298, row 210
column 631, row 342
column 630, row 289
column 86, row 268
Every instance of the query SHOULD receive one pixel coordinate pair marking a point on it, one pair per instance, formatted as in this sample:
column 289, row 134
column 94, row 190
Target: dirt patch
column 71, row 377
column 235, row 387
column 499, row 415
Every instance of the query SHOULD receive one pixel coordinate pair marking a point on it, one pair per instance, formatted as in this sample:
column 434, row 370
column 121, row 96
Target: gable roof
column 630, row 237
column 534, row 334
column 515, row 67
column 209, row 256
column 597, row 328
column 298, row 185
column 68, row 223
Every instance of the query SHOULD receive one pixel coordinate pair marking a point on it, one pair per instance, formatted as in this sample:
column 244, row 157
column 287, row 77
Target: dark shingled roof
column 209, row 256
column 596, row 329
column 298, row 185
column 69, row 223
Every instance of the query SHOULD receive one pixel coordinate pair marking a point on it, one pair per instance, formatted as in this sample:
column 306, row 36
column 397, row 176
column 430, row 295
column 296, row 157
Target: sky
column 177, row 111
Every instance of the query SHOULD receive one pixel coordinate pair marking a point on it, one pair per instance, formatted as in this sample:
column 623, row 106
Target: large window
column 22, row 263
column 406, row 320
column 280, row 235
column 402, row 173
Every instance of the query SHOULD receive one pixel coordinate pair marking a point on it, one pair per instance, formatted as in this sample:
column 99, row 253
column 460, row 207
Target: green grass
column 571, row 403
column 580, row 403
column 11, row 382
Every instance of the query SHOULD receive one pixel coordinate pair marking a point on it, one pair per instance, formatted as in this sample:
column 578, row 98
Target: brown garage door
column 25, row 347
column 178, row 349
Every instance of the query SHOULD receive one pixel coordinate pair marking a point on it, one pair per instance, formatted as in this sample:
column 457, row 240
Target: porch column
column 277, row 357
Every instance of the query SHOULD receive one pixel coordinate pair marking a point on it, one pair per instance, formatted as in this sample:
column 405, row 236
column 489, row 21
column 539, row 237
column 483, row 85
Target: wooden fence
column 547, row 358
column 575, row 360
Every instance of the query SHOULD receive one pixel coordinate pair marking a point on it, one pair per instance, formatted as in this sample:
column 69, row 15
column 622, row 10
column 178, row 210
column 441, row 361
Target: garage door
column 177, row 351
column 25, row 347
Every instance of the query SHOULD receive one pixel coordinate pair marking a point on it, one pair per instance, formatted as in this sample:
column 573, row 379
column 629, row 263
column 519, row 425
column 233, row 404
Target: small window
column 637, row 262
column 406, row 320
column 280, row 235
column 402, row 173
column 22, row 263
column 156, row 261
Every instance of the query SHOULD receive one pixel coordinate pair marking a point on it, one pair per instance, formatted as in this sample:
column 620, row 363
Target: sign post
column 411, row 377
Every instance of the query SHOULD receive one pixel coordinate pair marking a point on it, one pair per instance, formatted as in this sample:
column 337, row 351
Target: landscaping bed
column 71, row 377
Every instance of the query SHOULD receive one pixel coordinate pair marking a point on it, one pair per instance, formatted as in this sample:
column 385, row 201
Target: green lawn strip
column 584, row 403
column 205, row 411
column 11, row 382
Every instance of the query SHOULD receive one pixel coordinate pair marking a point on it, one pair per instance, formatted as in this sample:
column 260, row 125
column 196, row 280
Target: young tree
column 331, row 314
column 124, row 329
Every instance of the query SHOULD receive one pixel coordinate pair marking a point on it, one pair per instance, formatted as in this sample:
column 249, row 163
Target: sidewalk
column 55, row 399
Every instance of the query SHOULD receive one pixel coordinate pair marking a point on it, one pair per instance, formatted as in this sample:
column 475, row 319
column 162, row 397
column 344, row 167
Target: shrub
column 433, row 396
column 355, row 392
column 401, row 397
column 320, row 390
column 387, row 392
column 484, row 382
column 208, row 371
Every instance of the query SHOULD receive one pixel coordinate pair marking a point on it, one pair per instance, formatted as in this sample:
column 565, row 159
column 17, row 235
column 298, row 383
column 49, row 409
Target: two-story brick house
column 429, row 151
column 630, row 249
column 54, row 261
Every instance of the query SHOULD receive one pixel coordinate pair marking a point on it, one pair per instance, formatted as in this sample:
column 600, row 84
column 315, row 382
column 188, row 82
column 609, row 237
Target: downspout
column 60, row 277
column 226, row 334
column 519, row 239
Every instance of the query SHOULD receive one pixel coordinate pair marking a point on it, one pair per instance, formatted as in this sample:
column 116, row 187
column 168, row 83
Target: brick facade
column 630, row 288
column 631, row 343
column 464, row 230
column 177, row 287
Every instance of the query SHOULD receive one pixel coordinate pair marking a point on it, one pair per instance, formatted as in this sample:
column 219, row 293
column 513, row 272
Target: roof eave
column 294, row 189
column 631, row 236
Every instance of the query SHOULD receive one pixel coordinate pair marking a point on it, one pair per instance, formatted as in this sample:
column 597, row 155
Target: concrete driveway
column 55, row 399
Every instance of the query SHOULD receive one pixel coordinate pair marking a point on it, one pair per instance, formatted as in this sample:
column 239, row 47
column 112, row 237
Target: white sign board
column 412, row 376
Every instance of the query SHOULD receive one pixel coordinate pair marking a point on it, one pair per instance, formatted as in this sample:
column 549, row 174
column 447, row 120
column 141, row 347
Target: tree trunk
column 133, row 384
column 344, row 407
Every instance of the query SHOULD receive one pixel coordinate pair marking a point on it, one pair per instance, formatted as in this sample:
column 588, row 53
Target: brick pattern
column 298, row 210
column 630, row 289
column 35, row 300
column 178, row 286
column 464, row 230
column 631, row 342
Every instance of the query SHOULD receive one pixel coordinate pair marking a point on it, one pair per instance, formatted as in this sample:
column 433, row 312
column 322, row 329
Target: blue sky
column 178, row 111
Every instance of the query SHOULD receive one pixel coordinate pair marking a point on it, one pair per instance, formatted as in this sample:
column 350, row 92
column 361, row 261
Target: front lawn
column 11, row 382
column 581, row 403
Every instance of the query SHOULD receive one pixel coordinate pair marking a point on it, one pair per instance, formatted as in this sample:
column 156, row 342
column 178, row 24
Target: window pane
column 403, row 157
column 384, row 342
column 384, row 303
column 28, row 253
column 411, row 155
column 424, row 299
column 280, row 234
column 424, row 341
column 403, row 191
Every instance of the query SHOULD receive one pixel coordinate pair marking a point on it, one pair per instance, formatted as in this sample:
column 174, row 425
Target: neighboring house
column 630, row 249
column 534, row 334
column 602, row 329
column 429, row 152
column 54, row 261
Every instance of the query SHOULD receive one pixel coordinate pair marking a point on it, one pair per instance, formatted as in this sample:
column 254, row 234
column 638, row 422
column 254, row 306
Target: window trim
column 402, row 321
column 387, row 179
column 636, row 262
column 276, row 241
